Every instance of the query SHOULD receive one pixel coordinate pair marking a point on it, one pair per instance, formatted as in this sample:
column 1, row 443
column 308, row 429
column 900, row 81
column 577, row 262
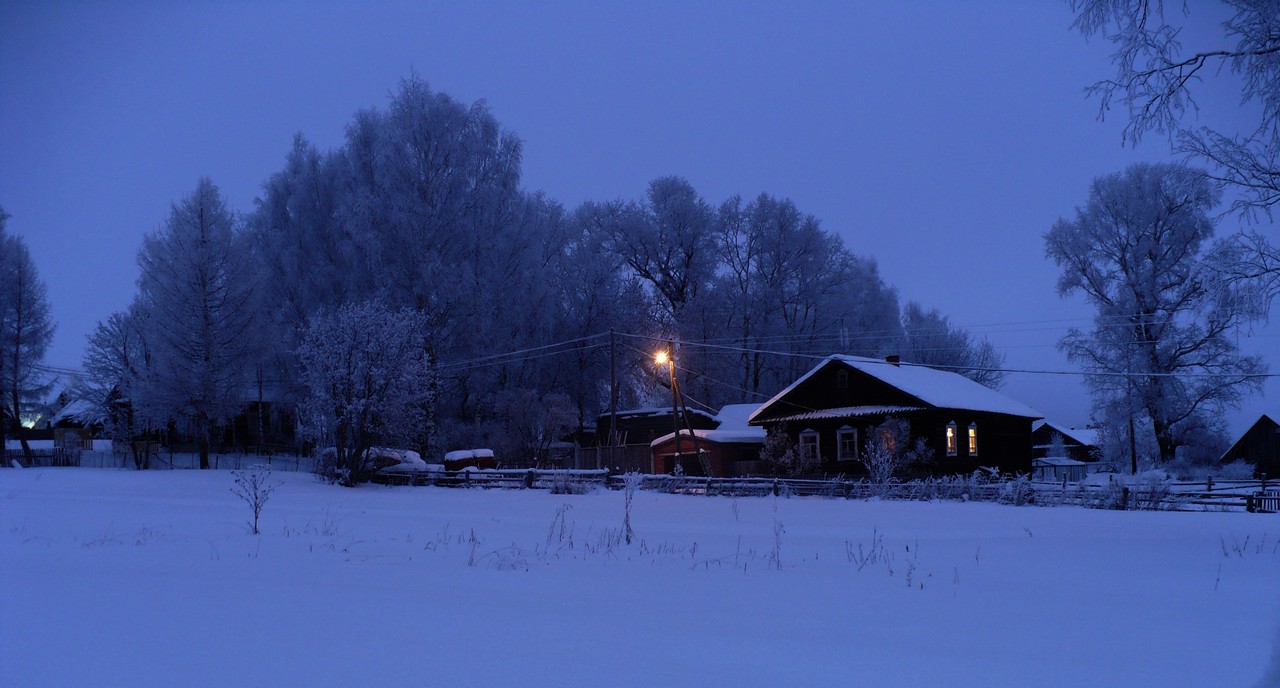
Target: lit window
column 951, row 438
column 973, row 439
column 809, row 445
column 847, row 444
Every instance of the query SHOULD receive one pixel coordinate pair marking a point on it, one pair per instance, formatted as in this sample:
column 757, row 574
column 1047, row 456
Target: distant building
column 1080, row 444
column 1260, row 446
column 732, row 448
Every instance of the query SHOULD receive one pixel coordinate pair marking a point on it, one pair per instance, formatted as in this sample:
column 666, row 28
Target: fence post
column 1124, row 498
column 1249, row 505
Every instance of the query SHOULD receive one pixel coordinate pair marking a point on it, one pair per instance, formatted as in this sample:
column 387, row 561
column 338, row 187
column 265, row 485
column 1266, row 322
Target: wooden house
column 830, row 412
column 732, row 448
column 643, row 425
column 1260, row 446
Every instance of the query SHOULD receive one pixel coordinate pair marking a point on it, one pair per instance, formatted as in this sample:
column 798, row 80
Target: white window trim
column 817, row 443
column 952, row 441
column 973, row 439
column 840, row 435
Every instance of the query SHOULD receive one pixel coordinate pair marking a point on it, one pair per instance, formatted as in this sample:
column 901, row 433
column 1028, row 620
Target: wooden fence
column 57, row 456
column 568, row 480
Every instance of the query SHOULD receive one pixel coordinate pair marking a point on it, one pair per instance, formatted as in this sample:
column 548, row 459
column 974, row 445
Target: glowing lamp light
column 661, row 358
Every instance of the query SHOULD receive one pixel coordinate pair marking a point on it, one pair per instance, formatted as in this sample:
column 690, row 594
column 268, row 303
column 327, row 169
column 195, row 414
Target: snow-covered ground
column 111, row 577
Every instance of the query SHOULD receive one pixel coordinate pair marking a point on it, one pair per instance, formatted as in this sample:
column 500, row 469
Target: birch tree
column 1162, row 345
column 197, row 276
column 117, row 364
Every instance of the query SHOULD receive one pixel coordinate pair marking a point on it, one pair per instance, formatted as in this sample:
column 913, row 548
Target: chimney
column 894, row 359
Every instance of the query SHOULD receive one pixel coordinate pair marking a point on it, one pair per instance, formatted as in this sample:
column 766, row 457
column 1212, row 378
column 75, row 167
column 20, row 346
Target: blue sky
column 942, row 138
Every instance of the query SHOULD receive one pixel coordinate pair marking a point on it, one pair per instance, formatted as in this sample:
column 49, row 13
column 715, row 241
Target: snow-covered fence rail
column 961, row 488
column 567, row 480
column 1165, row 496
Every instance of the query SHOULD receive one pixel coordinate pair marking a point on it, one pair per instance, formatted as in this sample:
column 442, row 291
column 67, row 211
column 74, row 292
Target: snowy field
column 111, row 577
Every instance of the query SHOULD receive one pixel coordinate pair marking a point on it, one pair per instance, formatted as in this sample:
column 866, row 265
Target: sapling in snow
column 254, row 486
column 630, row 483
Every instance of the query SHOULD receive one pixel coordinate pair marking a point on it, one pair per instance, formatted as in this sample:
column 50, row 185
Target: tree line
column 418, row 224
column 403, row 287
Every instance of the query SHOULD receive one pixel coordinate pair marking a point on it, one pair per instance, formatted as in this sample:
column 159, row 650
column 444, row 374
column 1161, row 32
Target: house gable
column 822, row 388
column 1260, row 445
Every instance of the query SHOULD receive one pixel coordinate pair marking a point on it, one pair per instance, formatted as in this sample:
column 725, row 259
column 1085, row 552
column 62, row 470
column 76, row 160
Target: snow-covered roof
column 78, row 410
column 1057, row 461
column 937, row 388
column 1085, row 436
column 460, row 454
column 652, row 411
column 849, row 412
column 749, row 435
column 735, row 416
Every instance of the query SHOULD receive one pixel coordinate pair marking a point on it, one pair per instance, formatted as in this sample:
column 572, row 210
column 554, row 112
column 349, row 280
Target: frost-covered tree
column 25, row 333
column 532, row 422
column 667, row 240
column 1156, row 80
column 367, row 372
column 596, row 294
column 1162, row 345
column 198, row 280
column 117, row 364
column 931, row 339
column 889, row 450
column 754, row 294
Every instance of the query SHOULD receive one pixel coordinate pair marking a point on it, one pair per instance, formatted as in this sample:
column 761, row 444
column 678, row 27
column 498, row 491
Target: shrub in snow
column 254, row 487
column 1152, row 491
column 1236, row 470
column 1017, row 491
column 782, row 455
column 564, row 483
column 889, row 450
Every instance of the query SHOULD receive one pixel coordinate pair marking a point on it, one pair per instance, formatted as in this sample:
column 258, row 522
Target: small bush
column 1236, row 470
column 1017, row 492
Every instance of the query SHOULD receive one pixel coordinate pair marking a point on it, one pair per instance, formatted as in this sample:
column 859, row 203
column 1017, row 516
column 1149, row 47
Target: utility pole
column 675, row 412
column 613, row 401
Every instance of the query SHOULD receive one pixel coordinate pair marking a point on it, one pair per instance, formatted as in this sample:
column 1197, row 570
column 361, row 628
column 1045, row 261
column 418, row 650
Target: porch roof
column 848, row 412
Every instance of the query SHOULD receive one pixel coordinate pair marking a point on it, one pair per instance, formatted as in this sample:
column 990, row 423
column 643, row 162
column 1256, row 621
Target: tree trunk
column 202, row 436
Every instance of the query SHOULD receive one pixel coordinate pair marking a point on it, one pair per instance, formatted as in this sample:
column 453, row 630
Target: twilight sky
column 942, row 138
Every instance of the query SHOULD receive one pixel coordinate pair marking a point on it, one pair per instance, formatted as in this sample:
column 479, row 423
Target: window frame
column 805, row 437
column 973, row 439
column 841, row 434
column 952, row 442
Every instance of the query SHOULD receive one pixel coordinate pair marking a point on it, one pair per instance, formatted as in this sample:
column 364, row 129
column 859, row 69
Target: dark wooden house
column 1260, row 446
column 636, row 429
column 1080, row 444
column 831, row 410
column 644, row 425
column 731, row 449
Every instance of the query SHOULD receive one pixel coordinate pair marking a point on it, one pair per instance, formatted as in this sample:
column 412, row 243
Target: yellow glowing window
column 951, row 439
column 973, row 439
